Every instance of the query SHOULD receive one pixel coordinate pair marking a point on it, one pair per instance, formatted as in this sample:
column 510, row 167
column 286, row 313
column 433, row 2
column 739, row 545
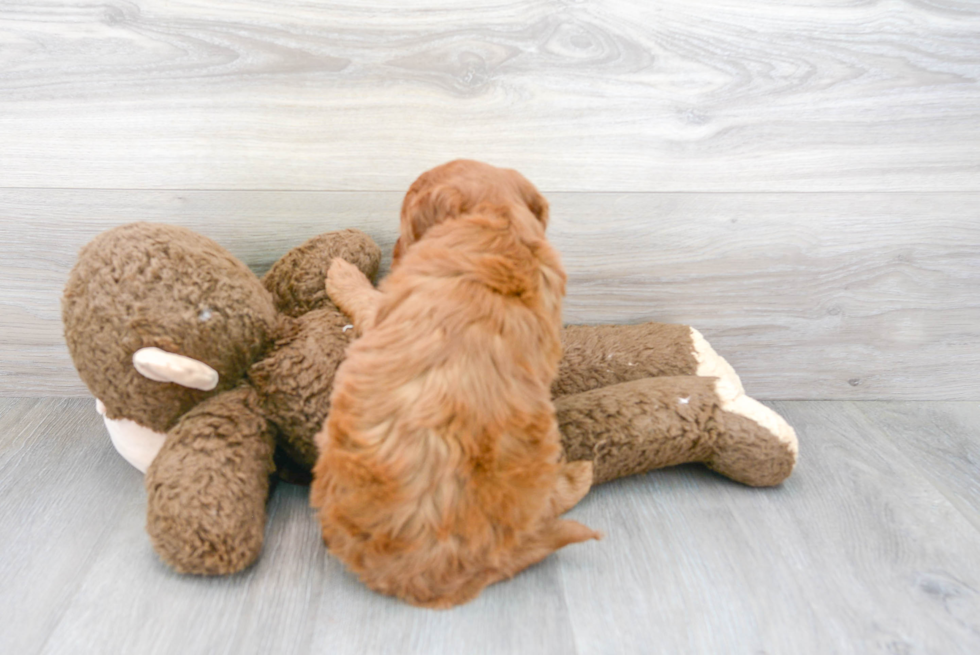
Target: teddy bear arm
column 207, row 487
column 295, row 380
column 297, row 280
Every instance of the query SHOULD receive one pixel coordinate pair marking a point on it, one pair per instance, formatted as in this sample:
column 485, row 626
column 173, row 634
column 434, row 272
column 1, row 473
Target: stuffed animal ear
column 161, row 366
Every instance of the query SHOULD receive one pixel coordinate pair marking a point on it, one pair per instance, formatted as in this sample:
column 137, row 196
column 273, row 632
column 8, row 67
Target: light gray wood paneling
column 808, row 295
column 611, row 95
column 858, row 552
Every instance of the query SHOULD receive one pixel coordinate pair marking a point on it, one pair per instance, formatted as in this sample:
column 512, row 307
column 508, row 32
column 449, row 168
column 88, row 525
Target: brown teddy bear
column 210, row 380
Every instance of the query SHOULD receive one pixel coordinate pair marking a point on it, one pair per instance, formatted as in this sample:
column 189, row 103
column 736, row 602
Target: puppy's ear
column 533, row 199
column 399, row 250
column 539, row 206
column 425, row 205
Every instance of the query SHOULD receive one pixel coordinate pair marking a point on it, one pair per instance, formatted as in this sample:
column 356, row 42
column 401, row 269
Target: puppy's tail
column 554, row 535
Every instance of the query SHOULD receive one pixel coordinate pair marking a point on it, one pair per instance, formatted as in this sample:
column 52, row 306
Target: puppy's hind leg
column 353, row 293
column 574, row 481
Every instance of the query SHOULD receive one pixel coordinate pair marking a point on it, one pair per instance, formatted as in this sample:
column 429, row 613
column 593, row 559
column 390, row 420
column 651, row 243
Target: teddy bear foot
column 754, row 445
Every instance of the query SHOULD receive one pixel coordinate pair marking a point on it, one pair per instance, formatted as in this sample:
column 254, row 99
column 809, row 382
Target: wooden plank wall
column 800, row 180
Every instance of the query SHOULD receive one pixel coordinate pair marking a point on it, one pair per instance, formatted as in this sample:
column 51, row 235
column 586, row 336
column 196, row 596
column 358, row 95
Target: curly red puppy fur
column 440, row 465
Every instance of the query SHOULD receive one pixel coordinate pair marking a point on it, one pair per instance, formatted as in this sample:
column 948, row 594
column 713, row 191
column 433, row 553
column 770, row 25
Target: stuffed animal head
column 157, row 318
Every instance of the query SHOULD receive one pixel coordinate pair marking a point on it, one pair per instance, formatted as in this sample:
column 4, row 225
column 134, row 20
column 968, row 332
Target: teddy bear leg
column 638, row 426
column 600, row 355
column 207, row 487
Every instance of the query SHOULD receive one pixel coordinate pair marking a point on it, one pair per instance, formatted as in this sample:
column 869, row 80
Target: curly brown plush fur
column 145, row 285
column 628, row 398
column 633, row 398
column 183, row 484
column 275, row 344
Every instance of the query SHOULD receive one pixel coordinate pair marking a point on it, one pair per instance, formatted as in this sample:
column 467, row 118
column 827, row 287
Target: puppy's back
column 441, row 451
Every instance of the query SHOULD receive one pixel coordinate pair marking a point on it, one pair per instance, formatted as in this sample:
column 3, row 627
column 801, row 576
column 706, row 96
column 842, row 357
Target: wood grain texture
column 869, row 296
column 858, row 552
column 62, row 495
column 941, row 441
column 80, row 576
column 611, row 95
column 810, row 296
column 855, row 553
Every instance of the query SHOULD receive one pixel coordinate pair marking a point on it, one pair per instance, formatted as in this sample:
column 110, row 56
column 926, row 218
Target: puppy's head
column 454, row 189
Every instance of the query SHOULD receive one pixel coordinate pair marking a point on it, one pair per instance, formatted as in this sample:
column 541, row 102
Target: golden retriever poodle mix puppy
column 440, row 466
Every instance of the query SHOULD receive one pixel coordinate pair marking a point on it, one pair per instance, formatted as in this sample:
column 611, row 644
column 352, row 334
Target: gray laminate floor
column 873, row 545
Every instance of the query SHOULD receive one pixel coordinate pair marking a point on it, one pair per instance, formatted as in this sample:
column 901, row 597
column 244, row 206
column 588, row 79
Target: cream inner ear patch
column 161, row 366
